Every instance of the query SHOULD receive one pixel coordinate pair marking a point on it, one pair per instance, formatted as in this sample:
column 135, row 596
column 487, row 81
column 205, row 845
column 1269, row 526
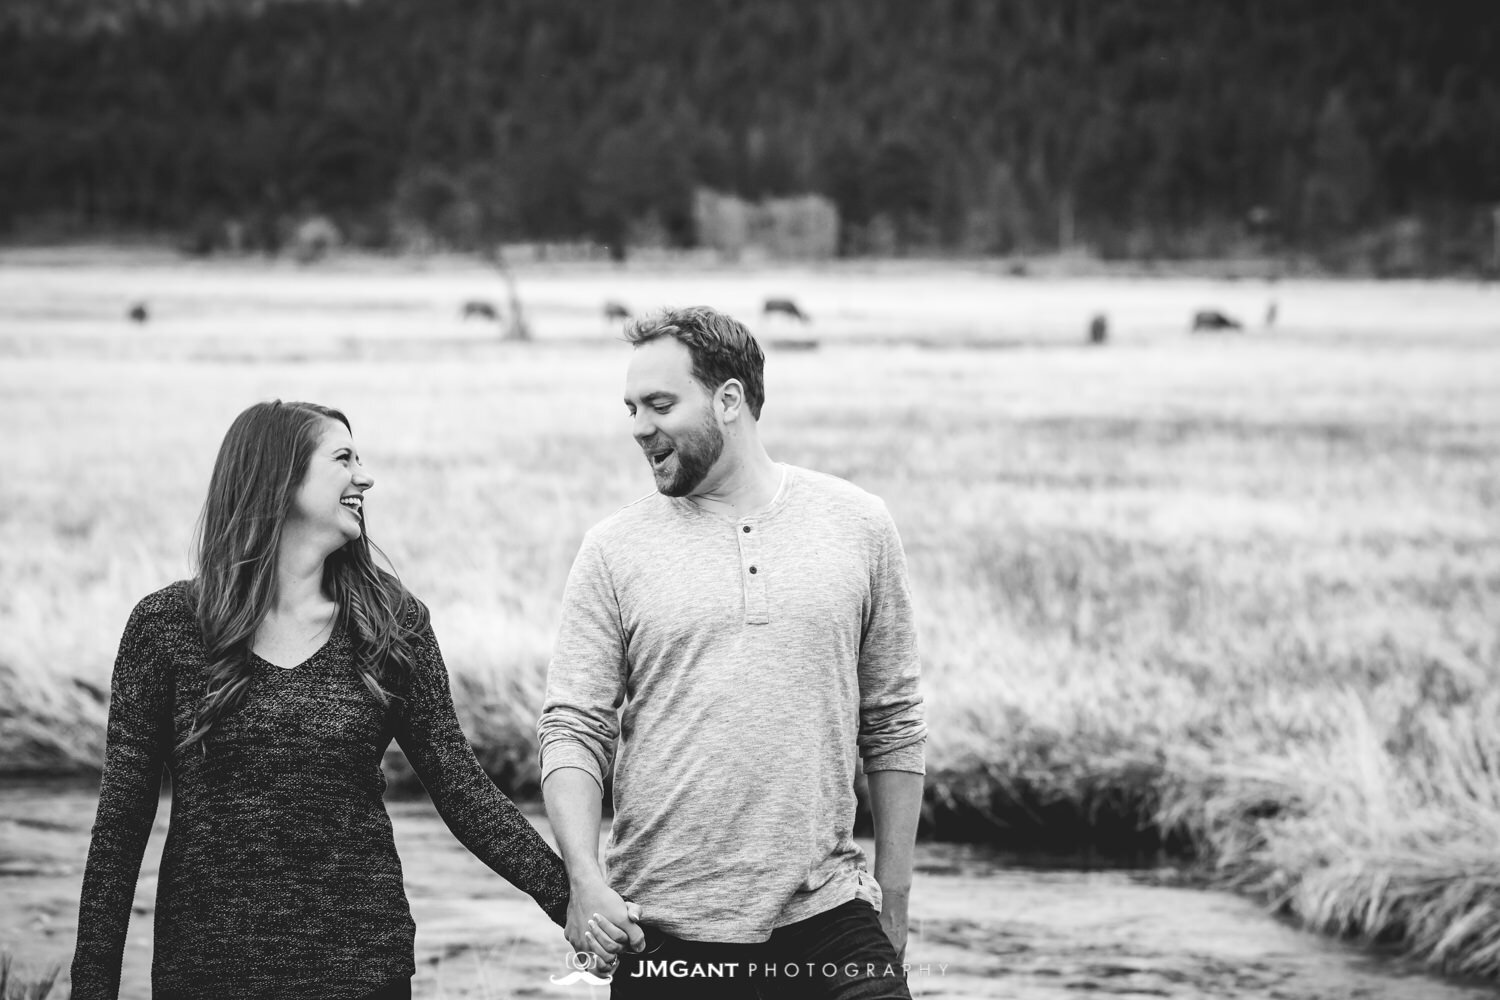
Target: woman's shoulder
column 163, row 625
column 412, row 612
column 173, row 604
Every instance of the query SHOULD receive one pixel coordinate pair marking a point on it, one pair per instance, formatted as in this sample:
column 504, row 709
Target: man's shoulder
column 847, row 498
column 647, row 511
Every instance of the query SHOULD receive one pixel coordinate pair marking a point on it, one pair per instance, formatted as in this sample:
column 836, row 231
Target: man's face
column 672, row 416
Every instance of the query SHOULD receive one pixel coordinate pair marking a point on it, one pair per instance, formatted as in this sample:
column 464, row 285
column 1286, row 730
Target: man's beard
column 695, row 453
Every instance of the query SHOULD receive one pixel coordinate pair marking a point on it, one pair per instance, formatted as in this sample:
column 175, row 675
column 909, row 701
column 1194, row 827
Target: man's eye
column 663, row 408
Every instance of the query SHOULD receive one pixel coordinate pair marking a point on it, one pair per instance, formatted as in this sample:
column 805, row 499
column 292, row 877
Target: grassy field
column 1235, row 594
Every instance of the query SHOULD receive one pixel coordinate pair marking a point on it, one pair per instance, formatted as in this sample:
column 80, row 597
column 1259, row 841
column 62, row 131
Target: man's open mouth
column 659, row 458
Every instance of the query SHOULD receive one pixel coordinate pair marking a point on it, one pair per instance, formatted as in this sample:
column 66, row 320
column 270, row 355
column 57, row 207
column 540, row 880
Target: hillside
column 1142, row 128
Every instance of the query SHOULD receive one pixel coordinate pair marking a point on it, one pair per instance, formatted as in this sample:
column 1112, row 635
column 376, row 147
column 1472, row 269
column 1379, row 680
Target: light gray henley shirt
column 739, row 664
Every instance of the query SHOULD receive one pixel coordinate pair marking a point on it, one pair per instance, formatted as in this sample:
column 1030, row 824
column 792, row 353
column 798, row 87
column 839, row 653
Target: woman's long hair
column 261, row 464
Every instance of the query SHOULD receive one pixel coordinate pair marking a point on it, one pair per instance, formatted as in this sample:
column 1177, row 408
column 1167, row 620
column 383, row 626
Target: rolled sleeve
column 892, row 731
column 580, row 719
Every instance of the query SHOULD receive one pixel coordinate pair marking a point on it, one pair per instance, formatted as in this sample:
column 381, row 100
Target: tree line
column 1137, row 128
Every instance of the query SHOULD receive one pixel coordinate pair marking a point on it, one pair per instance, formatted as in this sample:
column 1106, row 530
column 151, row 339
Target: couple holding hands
column 732, row 645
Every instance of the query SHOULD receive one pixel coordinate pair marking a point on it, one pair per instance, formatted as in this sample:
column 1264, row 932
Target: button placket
column 753, row 576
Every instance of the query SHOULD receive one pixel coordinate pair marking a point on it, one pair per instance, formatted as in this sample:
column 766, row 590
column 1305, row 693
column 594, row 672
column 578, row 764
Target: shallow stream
column 984, row 925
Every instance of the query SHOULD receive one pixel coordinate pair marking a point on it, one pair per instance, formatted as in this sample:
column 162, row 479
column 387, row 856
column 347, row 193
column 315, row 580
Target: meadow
column 1230, row 596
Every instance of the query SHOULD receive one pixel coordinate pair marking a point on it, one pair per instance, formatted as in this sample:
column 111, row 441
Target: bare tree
column 514, row 321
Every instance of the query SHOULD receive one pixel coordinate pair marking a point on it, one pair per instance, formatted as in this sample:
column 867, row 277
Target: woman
column 270, row 687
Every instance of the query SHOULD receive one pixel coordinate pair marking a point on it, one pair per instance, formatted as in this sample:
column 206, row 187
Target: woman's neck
column 299, row 582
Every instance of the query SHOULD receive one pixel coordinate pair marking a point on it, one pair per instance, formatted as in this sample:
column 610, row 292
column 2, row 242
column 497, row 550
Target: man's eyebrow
column 656, row 397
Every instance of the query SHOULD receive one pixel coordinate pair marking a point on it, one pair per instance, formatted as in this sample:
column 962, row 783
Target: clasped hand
column 602, row 925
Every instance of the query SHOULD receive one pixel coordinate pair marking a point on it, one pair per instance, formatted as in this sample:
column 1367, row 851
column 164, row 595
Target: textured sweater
column 279, row 877
column 754, row 658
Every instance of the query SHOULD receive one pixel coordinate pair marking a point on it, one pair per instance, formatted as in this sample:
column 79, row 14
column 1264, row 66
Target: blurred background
column 1168, row 331
column 1354, row 136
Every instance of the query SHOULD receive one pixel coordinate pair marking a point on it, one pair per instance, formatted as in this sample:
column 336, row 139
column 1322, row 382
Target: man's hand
column 893, row 920
column 572, row 798
column 614, row 925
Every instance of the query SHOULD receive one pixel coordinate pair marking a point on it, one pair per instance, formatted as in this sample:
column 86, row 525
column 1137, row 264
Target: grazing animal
column 480, row 308
column 1098, row 329
column 138, row 313
column 786, row 307
column 314, row 237
column 1212, row 319
column 1018, row 269
column 1271, row 314
column 615, row 312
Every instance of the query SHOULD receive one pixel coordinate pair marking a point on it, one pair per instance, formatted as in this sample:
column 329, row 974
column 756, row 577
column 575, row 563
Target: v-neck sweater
column 279, row 876
column 732, row 668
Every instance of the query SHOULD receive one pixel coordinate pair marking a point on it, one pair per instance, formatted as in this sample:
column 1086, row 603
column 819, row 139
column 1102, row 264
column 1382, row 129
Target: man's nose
column 642, row 426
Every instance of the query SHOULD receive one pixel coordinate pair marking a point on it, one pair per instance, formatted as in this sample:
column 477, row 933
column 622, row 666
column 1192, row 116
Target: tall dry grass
column 1237, row 596
column 16, row 986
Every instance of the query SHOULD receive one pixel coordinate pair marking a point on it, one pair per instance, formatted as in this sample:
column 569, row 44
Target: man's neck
column 746, row 486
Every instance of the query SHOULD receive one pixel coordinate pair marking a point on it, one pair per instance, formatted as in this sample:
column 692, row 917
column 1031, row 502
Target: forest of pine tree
column 1131, row 129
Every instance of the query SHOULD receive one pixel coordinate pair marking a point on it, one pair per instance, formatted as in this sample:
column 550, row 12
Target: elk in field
column 479, row 308
column 1098, row 329
column 784, row 307
column 1211, row 320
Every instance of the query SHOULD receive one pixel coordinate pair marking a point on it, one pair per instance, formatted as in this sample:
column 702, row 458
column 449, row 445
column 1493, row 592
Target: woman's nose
column 363, row 479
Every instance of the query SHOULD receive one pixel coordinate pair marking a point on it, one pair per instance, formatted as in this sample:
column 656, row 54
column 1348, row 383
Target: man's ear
column 731, row 400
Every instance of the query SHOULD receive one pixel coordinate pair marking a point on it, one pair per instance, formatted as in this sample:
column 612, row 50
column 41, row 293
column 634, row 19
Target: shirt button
column 752, row 569
column 746, row 529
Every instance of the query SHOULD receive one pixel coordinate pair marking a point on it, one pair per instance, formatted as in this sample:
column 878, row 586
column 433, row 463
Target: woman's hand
column 606, row 940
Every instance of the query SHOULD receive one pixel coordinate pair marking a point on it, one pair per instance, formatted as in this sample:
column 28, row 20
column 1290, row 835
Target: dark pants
column 841, row 954
column 396, row 989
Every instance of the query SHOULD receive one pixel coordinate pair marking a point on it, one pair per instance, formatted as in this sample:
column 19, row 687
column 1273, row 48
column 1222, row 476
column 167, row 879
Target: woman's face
column 330, row 500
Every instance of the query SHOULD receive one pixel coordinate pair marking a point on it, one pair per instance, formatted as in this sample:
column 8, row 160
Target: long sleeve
column 586, row 678
column 482, row 818
column 892, row 733
column 137, row 743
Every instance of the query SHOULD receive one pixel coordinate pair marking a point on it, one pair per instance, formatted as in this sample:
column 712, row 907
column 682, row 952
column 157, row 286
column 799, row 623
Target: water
column 984, row 924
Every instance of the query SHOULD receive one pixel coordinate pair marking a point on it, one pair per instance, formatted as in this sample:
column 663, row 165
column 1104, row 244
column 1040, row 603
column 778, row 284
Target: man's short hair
column 720, row 346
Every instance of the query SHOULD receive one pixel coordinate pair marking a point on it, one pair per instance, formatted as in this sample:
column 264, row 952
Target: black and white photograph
column 749, row 499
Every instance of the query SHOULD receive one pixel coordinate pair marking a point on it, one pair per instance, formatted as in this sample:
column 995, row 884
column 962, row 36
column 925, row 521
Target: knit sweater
column 279, row 877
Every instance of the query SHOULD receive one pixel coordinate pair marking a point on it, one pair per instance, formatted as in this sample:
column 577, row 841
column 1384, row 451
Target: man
column 754, row 621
